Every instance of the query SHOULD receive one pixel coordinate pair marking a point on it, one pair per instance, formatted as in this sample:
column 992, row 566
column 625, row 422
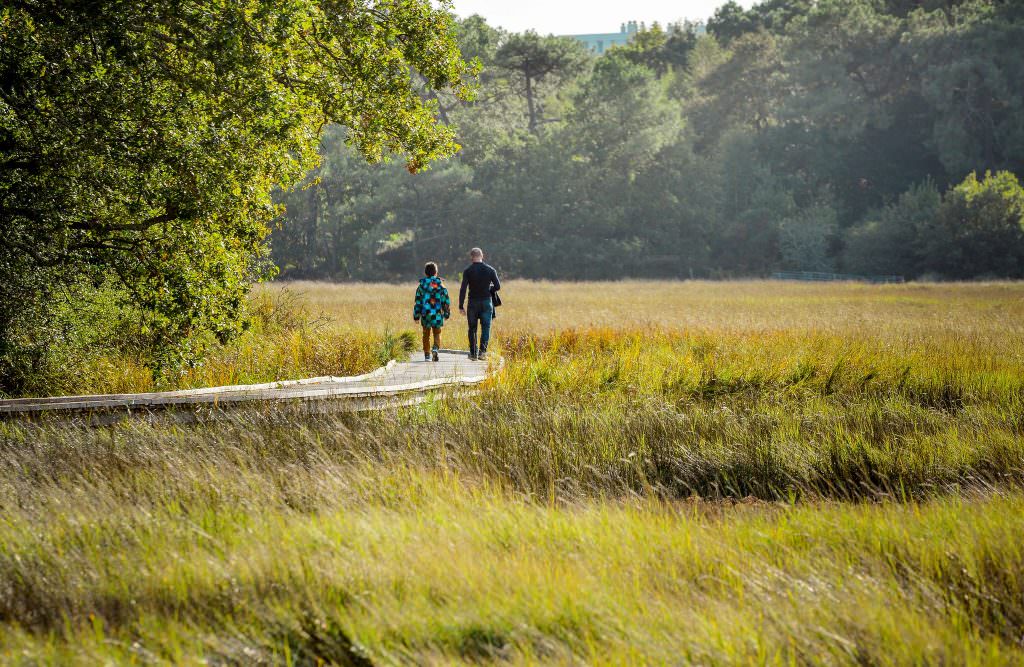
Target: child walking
column 432, row 307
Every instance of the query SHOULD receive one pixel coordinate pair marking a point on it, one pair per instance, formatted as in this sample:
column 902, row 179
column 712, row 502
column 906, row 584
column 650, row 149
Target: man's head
column 430, row 269
column 476, row 254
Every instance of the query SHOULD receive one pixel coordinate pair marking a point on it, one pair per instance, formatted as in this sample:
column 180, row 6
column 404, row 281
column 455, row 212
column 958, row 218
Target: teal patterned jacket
column 433, row 305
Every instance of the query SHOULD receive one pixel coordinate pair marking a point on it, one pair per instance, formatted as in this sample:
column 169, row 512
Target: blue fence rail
column 821, row 276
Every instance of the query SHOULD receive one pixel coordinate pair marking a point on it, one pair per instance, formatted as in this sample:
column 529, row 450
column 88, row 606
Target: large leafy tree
column 977, row 229
column 141, row 141
column 850, row 90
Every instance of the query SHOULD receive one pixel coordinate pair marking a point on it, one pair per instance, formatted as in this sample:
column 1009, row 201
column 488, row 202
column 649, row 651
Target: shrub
column 975, row 230
column 978, row 230
column 887, row 242
column 49, row 345
column 101, row 345
column 804, row 239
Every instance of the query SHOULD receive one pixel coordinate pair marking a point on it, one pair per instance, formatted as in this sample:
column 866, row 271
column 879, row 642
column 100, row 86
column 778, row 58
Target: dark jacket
column 481, row 280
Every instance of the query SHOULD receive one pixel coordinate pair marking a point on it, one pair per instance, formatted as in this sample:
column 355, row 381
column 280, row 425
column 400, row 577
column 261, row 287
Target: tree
column 904, row 7
column 887, row 243
column 731, row 21
column 805, row 237
column 531, row 59
column 621, row 115
column 659, row 50
column 752, row 201
column 141, row 141
column 978, row 231
column 971, row 78
column 620, row 122
column 744, row 91
column 675, row 212
column 850, row 98
column 321, row 231
column 477, row 43
column 478, row 40
column 705, row 57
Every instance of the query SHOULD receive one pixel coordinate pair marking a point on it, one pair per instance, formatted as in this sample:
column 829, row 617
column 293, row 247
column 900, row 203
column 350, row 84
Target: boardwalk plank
column 397, row 383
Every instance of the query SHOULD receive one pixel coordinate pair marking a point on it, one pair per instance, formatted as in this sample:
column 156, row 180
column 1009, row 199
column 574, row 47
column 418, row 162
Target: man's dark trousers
column 482, row 311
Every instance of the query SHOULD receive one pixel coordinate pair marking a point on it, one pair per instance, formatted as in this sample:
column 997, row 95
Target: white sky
column 566, row 17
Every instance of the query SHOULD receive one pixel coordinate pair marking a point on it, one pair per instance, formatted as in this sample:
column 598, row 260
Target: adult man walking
column 481, row 280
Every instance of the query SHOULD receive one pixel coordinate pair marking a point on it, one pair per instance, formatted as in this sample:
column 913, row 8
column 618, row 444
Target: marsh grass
column 767, row 486
column 913, row 312
column 308, row 329
column 298, row 556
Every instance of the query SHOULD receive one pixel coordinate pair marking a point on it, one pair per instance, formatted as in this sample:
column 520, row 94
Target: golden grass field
column 921, row 310
column 305, row 329
column 664, row 473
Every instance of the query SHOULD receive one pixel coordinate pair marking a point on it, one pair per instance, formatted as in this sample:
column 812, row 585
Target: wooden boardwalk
column 403, row 383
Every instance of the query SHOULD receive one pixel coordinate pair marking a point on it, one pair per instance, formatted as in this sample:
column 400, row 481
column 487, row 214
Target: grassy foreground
column 700, row 473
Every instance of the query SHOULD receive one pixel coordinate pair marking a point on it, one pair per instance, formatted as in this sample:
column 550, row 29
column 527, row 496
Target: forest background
column 796, row 135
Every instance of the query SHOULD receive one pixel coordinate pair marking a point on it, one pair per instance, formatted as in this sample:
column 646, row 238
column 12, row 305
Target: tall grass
column 792, row 490
column 310, row 329
column 590, row 415
column 903, row 314
column 235, row 559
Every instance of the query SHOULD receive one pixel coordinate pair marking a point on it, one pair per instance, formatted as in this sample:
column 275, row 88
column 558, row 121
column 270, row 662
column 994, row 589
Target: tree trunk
column 530, row 104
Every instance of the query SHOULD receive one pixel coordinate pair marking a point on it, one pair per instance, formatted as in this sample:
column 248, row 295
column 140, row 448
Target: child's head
column 430, row 269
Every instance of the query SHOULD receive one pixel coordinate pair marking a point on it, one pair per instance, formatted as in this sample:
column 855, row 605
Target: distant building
column 698, row 28
column 601, row 42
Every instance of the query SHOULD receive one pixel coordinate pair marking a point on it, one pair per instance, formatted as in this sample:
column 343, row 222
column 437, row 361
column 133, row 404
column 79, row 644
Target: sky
column 567, row 17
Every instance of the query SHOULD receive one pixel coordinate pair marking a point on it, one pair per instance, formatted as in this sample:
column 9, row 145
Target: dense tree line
column 838, row 135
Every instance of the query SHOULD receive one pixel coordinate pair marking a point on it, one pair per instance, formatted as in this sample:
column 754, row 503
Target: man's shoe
column 482, row 356
column 433, row 355
column 472, row 356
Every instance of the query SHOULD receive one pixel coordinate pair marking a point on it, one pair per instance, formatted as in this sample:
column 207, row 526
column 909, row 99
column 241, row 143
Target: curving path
column 398, row 383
